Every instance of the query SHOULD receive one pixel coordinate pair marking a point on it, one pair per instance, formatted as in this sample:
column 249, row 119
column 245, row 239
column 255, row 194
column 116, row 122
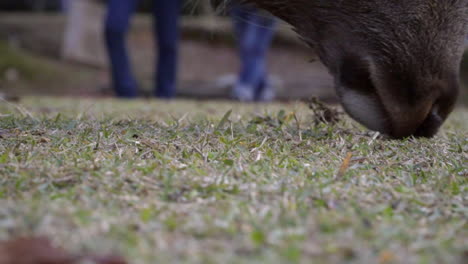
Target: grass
column 194, row 182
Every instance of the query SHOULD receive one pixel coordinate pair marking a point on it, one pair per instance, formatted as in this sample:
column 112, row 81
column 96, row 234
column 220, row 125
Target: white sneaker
column 266, row 95
column 243, row 93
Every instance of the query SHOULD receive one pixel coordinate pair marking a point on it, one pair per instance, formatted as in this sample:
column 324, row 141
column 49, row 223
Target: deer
column 395, row 63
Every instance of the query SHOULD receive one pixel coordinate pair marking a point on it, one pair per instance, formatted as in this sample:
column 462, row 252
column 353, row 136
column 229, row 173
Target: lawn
column 216, row 182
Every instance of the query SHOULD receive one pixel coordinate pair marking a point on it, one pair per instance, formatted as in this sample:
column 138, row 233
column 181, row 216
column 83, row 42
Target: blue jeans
column 254, row 33
column 64, row 5
column 166, row 30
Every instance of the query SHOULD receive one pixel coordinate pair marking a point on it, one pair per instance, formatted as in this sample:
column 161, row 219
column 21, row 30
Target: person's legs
column 116, row 27
column 166, row 14
column 244, row 89
column 264, row 32
column 254, row 33
column 241, row 16
column 64, row 5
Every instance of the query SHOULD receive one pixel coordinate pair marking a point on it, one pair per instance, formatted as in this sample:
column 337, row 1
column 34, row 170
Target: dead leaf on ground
column 386, row 257
column 44, row 140
column 344, row 165
column 39, row 250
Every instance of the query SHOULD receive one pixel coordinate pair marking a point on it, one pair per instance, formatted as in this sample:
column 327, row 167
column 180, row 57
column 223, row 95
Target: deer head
column 395, row 62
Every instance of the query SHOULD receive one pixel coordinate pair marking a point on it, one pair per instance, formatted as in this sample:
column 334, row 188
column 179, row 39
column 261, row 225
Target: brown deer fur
column 395, row 62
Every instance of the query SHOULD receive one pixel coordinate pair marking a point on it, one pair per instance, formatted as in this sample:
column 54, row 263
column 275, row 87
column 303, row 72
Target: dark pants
column 166, row 13
column 254, row 34
column 64, row 5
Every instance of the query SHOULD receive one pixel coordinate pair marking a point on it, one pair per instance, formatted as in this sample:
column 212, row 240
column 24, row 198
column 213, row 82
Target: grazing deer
column 395, row 63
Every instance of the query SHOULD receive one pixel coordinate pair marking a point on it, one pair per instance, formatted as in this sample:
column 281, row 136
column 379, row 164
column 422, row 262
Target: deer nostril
column 431, row 124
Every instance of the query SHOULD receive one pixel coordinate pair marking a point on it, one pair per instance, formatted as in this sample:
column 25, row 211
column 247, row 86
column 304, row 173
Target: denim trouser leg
column 116, row 27
column 166, row 14
column 65, row 5
column 254, row 33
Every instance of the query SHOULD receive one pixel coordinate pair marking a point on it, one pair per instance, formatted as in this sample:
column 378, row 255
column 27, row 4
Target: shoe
column 243, row 93
column 267, row 94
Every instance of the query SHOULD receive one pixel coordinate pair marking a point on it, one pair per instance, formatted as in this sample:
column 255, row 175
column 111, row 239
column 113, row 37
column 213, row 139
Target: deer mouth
column 430, row 125
column 357, row 93
column 380, row 105
column 368, row 109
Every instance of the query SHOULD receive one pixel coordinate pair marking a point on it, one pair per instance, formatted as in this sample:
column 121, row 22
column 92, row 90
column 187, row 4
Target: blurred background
column 56, row 47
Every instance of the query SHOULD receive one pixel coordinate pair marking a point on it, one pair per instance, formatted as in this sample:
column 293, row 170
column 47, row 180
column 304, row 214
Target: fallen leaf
column 386, row 257
column 39, row 250
column 44, row 140
column 344, row 165
column 33, row 251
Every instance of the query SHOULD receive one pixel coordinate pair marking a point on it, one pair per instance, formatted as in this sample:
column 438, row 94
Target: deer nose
column 421, row 121
column 431, row 124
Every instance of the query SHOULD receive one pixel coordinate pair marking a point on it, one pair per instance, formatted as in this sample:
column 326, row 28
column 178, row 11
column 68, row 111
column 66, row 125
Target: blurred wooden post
column 83, row 39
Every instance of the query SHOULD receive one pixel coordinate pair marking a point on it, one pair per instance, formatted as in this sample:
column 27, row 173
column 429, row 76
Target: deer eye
column 355, row 75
